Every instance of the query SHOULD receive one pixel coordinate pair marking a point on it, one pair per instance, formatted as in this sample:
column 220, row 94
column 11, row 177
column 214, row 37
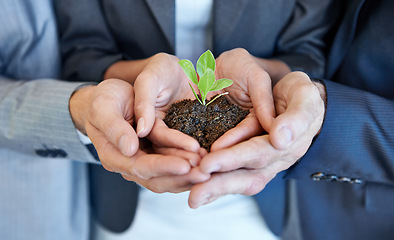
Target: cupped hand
column 108, row 123
column 251, row 89
column 247, row 167
column 160, row 84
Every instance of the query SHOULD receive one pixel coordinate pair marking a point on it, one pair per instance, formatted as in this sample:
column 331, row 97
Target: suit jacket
column 100, row 32
column 345, row 183
column 43, row 188
column 96, row 33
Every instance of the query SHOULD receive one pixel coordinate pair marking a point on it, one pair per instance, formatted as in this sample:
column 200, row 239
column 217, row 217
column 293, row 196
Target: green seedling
column 206, row 70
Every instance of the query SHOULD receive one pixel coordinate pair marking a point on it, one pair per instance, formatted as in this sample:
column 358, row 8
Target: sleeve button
column 317, row 176
column 61, row 153
column 42, row 152
column 331, row 178
column 344, row 179
column 356, row 180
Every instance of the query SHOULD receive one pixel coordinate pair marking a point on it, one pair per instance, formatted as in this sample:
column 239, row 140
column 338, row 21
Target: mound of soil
column 204, row 123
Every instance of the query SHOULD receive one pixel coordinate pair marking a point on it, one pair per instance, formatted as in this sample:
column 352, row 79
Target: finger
column 146, row 92
column 173, row 184
column 112, row 113
column 247, row 128
column 147, row 166
column 243, row 181
column 254, row 153
column 163, row 136
column 141, row 165
column 259, row 87
column 193, row 158
column 110, row 157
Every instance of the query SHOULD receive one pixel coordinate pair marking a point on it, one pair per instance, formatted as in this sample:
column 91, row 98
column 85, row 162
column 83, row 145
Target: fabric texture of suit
column 95, row 34
column 352, row 160
column 43, row 188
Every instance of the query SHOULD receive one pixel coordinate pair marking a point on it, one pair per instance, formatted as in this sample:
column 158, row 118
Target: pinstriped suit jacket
column 43, row 175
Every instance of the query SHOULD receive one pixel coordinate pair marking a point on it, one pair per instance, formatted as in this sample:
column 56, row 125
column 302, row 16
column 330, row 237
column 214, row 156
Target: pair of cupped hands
column 282, row 122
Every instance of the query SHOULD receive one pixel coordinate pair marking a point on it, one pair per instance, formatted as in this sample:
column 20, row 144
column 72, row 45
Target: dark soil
column 204, row 123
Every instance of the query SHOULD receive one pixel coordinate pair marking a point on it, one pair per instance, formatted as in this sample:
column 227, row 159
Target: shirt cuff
column 83, row 138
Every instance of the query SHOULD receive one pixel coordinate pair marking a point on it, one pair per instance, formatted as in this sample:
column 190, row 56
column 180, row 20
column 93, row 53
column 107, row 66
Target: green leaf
column 220, row 84
column 205, row 84
column 205, row 61
column 189, row 70
column 195, row 94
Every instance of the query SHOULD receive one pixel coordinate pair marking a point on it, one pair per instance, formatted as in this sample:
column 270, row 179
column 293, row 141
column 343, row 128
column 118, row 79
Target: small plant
column 206, row 70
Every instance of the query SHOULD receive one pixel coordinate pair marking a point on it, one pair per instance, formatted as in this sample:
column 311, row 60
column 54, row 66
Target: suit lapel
column 164, row 13
column 344, row 37
column 226, row 15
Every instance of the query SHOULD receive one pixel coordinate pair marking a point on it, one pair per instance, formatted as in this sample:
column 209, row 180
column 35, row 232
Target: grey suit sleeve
column 35, row 117
column 87, row 45
column 305, row 39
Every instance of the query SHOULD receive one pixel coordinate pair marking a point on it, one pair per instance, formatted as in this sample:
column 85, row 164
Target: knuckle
column 156, row 188
column 162, row 55
column 139, row 107
column 96, row 105
column 107, row 167
column 257, row 184
column 306, row 89
column 241, row 51
column 127, row 177
column 257, row 159
column 138, row 174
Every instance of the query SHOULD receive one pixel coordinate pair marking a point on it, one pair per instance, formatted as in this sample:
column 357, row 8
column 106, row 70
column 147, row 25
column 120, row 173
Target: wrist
column 323, row 94
column 79, row 104
column 322, row 89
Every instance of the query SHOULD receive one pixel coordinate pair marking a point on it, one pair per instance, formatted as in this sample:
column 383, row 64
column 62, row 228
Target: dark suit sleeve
column 304, row 41
column 88, row 47
column 356, row 140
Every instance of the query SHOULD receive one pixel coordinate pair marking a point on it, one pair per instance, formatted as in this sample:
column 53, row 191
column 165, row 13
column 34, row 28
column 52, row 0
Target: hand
column 252, row 84
column 247, row 167
column 105, row 112
column 252, row 88
column 162, row 83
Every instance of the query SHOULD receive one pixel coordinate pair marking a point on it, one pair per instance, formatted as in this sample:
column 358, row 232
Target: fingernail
column 140, row 126
column 204, row 200
column 285, row 136
column 193, row 162
column 213, row 168
column 125, row 145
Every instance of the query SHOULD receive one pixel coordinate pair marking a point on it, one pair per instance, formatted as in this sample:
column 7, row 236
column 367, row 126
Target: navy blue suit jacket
column 345, row 182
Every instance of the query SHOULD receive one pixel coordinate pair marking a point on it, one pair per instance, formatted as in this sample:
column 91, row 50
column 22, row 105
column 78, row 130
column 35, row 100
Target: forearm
column 275, row 68
column 126, row 70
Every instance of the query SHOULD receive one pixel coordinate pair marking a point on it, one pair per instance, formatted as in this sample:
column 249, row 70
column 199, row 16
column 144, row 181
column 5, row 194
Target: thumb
column 261, row 95
column 110, row 114
column 300, row 108
column 144, row 104
column 296, row 121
